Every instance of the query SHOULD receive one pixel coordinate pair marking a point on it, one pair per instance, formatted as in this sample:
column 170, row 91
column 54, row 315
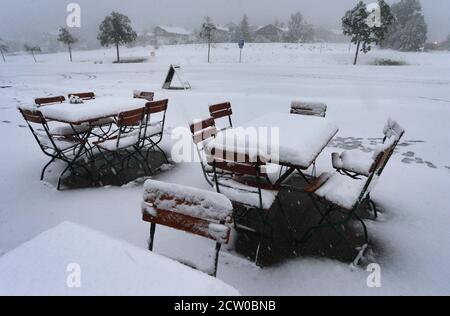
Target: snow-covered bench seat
column 192, row 210
column 309, row 108
column 74, row 260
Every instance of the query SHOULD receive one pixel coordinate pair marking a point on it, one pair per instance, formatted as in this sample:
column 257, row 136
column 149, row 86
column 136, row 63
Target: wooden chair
column 221, row 110
column 83, row 95
column 203, row 213
column 49, row 100
column 64, row 148
column 149, row 96
column 125, row 142
column 202, row 133
column 248, row 187
column 309, row 108
column 345, row 189
column 155, row 118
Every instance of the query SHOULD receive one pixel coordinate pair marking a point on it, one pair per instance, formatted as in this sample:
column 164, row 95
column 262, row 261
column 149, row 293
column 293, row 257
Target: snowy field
column 413, row 192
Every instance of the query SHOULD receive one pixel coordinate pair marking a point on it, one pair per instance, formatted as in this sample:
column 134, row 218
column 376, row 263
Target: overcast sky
column 23, row 18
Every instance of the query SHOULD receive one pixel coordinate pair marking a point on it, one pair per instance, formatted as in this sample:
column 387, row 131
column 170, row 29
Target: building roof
column 175, row 30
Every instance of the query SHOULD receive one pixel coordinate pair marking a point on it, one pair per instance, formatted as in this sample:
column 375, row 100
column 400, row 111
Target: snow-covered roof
column 222, row 28
column 175, row 30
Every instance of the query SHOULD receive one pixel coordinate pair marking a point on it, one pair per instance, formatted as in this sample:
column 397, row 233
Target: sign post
column 241, row 46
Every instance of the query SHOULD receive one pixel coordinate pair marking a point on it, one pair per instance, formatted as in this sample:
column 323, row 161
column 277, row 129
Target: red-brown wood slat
column 204, row 134
column 198, row 126
column 33, row 116
column 83, row 95
column 196, row 226
column 156, row 106
column 131, row 118
column 219, row 107
column 50, row 100
column 222, row 113
column 236, row 168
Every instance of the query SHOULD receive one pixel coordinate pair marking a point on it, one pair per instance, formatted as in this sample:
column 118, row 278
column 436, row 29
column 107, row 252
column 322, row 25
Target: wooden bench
column 199, row 212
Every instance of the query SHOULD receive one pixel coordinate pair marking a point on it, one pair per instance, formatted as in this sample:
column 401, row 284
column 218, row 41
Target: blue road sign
column 241, row 43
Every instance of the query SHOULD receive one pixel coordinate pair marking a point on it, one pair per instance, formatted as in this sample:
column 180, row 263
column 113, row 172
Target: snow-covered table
column 73, row 260
column 284, row 139
column 90, row 110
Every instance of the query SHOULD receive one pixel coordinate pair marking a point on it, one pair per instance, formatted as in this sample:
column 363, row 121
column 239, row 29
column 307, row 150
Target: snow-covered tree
column 116, row 30
column 299, row 30
column 409, row 31
column 32, row 50
column 355, row 23
column 243, row 30
column 67, row 38
column 446, row 43
column 3, row 49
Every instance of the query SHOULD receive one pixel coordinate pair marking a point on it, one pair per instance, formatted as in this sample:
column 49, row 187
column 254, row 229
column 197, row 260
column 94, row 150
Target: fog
column 23, row 19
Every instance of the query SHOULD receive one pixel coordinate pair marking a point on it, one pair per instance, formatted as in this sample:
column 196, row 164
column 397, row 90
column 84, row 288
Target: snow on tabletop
column 199, row 203
column 89, row 110
column 301, row 138
column 43, row 266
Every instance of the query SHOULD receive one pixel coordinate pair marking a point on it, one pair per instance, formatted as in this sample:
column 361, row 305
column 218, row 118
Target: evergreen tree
column 116, row 30
column 67, row 38
column 409, row 31
column 243, row 30
column 363, row 32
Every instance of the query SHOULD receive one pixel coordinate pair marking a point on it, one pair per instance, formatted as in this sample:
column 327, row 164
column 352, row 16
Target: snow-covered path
column 414, row 190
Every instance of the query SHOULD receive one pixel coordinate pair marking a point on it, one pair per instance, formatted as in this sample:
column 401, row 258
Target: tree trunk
column 357, row 52
column 118, row 55
column 32, row 53
column 70, row 53
column 4, row 60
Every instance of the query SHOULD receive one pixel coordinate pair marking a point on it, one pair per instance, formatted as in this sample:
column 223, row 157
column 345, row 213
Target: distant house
column 172, row 35
column 222, row 34
column 268, row 33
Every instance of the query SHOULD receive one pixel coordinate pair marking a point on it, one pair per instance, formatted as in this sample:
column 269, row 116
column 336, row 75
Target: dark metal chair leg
column 152, row 236
column 216, row 259
column 46, row 166
column 366, row 237
column 373, row 208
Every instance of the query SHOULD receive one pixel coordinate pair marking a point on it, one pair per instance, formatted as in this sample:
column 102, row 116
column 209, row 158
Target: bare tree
column 33, row 50
column 3, row 49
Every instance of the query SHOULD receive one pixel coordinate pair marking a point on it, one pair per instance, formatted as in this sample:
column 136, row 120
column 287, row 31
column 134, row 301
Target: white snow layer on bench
column 108, row 266
column 197, row 203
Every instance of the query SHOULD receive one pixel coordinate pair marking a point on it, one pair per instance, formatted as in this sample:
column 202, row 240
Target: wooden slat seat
column 199, row 212
column 83, row 95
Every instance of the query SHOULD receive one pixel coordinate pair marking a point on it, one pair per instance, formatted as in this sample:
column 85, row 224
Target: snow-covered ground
column 413, row 191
